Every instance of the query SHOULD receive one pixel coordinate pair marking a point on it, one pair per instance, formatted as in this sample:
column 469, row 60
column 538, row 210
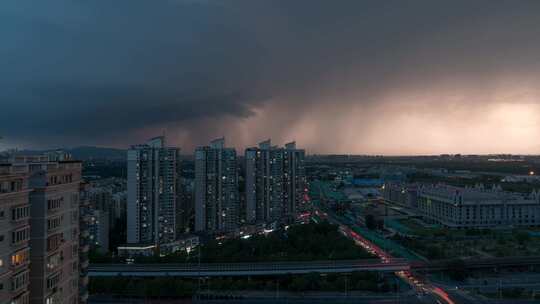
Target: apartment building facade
column 217, row 201
column 153, row 197
column 14, row 235
column 295, row 180
column 85, row 217
column 54, row 233
column 275, row 182
column 39, row 229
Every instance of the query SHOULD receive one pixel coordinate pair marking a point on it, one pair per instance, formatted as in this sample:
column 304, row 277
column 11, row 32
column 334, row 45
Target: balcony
column 83, row 272
column 17, row 267
column 83, row 296
column 83, row 257
column 16, row 288
column 23, row 298
column 85, row 248
column 54, row 211
column 83, row 292
column 54, row 298
column 84, row 281
column 53, row 230
column 19, row 245
column 84, row 264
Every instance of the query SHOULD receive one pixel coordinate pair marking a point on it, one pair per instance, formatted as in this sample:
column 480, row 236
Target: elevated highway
column 480, row 263
column 244, row 269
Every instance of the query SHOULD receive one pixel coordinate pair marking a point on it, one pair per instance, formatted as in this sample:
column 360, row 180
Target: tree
column 457, row 270
column 434, row 252
column 522, row 237
column 371, row 224
column 299, row 284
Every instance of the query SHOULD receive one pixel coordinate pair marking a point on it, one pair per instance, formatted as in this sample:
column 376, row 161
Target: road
column 480, row 263
column 385, row 263
column 438, row 293
column 334, row 299
column 419, row 284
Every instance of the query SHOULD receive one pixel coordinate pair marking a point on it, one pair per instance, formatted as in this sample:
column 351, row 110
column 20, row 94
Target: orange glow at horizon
column 403, row 123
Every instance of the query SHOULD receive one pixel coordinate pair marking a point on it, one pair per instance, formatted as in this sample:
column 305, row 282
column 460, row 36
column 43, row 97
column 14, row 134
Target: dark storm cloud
column 97, row 72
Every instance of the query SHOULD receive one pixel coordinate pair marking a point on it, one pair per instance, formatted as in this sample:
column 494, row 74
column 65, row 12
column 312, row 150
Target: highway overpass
column 480, row 263
column 244, row 269
column 283, row 268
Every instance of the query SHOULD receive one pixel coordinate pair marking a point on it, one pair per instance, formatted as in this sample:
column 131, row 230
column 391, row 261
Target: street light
column 397, row 288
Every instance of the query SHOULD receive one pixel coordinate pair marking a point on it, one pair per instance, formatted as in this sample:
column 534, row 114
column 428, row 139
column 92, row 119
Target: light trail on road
column 385, row 257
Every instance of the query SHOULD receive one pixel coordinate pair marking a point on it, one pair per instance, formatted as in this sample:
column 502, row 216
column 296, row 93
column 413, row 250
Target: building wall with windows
column 265, row 187
column 98, row 228
column 401, row 193
column 295, row 180
column 54, row 233
column 217, row 202
column 14, row 236
column 275, row 183
column 153, row 195
column 85, row 212
column 478, row 207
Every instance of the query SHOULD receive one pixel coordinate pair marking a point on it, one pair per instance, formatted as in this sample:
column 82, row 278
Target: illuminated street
column 421, row 286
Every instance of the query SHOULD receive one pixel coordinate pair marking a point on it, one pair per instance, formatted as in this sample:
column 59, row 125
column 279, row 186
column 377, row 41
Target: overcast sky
column 362, row 77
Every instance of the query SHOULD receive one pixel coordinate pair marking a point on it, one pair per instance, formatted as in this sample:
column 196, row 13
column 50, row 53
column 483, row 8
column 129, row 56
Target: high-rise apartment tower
column 217, row 201
column 153, row 198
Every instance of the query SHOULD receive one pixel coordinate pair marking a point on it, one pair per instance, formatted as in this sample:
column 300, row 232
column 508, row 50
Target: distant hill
column 97, row 153
column 85, row 153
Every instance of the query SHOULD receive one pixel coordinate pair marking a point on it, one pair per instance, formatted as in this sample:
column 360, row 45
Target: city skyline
column 361, row 77
column 239, row 151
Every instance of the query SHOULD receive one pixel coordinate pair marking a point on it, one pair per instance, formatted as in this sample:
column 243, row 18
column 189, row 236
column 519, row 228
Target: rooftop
column 477, row 193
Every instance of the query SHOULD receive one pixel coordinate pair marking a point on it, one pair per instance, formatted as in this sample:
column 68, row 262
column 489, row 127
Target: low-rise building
column 135, row 250
column 477, row 207
column 400, row 193
column 185, row 242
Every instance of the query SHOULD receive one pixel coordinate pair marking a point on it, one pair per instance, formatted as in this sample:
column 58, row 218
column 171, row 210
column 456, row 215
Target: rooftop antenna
column 164, row 135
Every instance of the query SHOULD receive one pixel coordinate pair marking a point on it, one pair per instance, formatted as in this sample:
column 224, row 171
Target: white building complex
column 477, row 207
column 217, row 202
column 153, row 199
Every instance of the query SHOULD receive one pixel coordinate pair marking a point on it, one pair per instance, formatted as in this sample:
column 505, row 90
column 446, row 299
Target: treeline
column 299, row 243
column 184, row 287
column 309, row 242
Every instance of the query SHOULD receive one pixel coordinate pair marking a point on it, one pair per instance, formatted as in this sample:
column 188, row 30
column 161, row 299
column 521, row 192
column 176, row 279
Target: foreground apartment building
column 39, row 222
column 14, row 236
